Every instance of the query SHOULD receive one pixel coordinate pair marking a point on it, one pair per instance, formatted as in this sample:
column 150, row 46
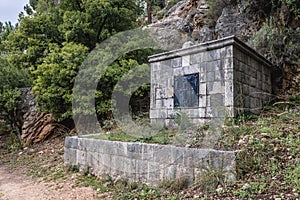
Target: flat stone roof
column 211, row 45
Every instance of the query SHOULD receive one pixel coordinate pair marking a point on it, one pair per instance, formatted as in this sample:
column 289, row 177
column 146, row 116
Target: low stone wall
column 147, row 163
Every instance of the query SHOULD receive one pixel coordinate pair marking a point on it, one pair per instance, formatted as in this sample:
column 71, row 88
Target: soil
column 16, row 184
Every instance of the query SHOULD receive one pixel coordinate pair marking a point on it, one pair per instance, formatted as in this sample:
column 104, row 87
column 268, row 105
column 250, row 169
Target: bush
column 278, row 43
column 11, row 78
column 55, row 79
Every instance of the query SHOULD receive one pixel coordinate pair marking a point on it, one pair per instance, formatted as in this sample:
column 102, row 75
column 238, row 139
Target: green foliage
column 215, row 9
column 5, row 30
column 108, row 82
column 162, row 137
column 11, row 78
column 268, row 162
column 53, row 39
column 160, row 15
column 123, row 77
column 278, row 43
column 55, row 79
column 278, row 39
column 293, row 6
column 293, row 177
column 27, row 44
column 210, row 180
column 175, row 185
column 183, row 121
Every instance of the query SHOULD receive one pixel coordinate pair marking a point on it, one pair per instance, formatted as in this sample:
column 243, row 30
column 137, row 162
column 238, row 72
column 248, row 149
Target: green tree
column 27, row 45
column 53, row 39
column 55, row 78
column 12, row 79
column 5, row 30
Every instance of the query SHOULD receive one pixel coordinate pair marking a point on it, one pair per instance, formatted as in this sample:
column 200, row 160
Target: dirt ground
column 15, row 184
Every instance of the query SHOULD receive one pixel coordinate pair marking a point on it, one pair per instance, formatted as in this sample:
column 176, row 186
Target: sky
column 10, row 9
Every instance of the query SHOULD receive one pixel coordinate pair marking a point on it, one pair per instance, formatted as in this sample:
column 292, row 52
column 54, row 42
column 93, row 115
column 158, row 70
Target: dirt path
column 16, row 186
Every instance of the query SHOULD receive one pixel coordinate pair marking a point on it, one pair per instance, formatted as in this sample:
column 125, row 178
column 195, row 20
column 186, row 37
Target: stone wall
column 223, row 66
column 147, row 163
column 252, row 82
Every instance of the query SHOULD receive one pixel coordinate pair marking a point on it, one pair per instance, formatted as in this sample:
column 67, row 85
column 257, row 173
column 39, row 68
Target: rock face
column 36, row 126
column 193, row 17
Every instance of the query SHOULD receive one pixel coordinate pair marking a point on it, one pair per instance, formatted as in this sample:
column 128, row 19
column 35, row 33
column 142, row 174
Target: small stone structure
column 221, row 78
column 147, row 163
column 208, row 81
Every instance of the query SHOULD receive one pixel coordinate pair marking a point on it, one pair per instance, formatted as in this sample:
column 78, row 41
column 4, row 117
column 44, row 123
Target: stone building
column 221, row 78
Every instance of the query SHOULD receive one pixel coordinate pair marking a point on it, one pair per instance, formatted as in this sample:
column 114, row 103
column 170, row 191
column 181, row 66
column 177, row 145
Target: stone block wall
column 232, row 77
column 148, row 163
column 252, row 82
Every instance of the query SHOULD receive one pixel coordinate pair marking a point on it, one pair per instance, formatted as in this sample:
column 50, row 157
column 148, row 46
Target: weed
column 92, row 181
column 183, row 121
column 293, row 177
column 210, row 180
column 13, row 143
column 175, row 185
column 109, row 124
column 73, row 168
column 215, row 10
column 162, row 137
column 85, row 170
column 161, row 15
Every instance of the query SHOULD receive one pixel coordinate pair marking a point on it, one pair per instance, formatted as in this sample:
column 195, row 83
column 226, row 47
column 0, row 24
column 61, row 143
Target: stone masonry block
column 71, row 142
column 192, row 69
column 169, row 172
column 178, row 72
column 215, row 88
column 227, row 63
column 228, row 74
column 155, row 67
column 202, row 89
column 211, row 55
column 186, row 61
column 202, row 77
column 153, row 113
column 202, row 101
column 210, row 76
column 70, row 155
column 176, row 62
column 141, row 171
column 196, row 58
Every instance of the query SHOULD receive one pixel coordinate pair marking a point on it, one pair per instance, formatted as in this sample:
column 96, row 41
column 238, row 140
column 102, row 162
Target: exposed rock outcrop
column 37, row 126
column 194, row 18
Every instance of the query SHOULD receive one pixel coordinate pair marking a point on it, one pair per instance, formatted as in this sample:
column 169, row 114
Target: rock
column 168, row 39
column 187, row 44
column 37, row 126
column 175, row 10
column 191, row 18
column 233, row 21
column 205, row 34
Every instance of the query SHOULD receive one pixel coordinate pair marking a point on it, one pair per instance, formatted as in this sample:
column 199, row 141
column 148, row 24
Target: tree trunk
column 149, row 11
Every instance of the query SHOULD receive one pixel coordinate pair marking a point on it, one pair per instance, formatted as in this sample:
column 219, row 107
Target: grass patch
column 268, row 165
column 163, row 137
